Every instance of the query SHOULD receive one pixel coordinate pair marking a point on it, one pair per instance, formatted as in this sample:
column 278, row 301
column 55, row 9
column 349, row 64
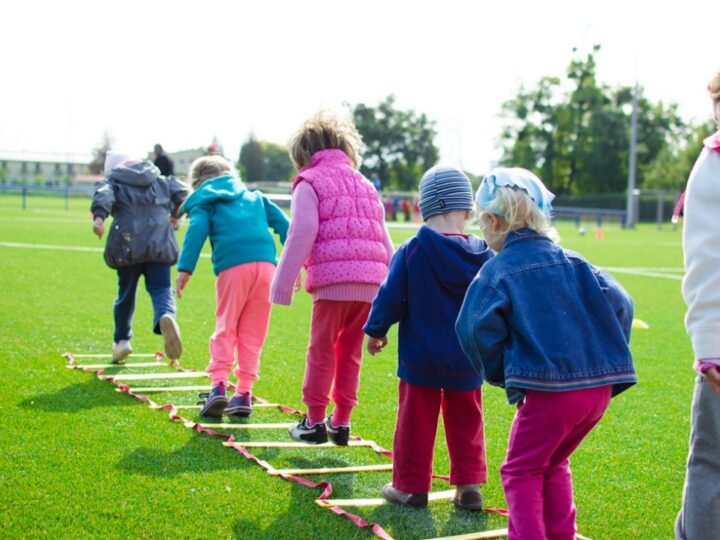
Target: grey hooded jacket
column 141, row 203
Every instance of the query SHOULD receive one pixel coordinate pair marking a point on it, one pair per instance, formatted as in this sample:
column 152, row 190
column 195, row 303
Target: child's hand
column 99, row 227
column 712, row 376
column 298, row 282
column 180, row 282
column 376, row 345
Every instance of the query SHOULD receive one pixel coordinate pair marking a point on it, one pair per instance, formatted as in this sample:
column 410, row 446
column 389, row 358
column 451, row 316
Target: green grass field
column 81, row 460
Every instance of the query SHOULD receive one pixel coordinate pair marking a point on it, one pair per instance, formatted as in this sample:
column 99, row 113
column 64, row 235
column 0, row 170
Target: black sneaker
column 316, row 434
column 215, row 402
column 339, row 435
column 240, row 404
column 468, row 497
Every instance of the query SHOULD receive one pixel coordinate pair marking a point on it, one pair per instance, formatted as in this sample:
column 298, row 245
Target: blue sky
column 182, row 72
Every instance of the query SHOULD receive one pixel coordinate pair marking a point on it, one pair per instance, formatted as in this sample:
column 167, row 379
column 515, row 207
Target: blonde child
column 338, row 234
column 141, row 242
column 424, row 290
column 243, row 255
column 552, row 330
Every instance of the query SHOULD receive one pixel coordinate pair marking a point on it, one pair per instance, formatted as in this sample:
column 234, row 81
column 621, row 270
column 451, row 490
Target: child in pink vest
column 338, row 234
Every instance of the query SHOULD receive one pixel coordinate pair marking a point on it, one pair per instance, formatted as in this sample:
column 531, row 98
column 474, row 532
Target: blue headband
column 516, row 178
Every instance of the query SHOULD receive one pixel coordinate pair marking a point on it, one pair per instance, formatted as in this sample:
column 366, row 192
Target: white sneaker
column 171, row 334
column 120, row 351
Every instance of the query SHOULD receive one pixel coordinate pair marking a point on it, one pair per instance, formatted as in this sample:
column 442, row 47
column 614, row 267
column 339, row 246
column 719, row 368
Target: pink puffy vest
column 349, row 244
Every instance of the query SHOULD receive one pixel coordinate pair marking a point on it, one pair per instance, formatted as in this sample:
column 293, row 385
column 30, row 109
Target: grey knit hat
column 443, row 190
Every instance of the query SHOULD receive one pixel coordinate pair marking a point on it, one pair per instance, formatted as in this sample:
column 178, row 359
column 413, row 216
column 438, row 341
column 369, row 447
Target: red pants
column 536, row 476
column 415, row 431
column 333, row 358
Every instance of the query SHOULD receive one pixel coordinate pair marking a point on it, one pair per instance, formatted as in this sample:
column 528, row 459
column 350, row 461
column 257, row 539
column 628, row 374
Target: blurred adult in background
column 163, row 162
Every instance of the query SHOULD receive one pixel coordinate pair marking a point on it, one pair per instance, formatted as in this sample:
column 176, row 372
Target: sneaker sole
column 171, row 334
column 242, row 412
column 215, row 408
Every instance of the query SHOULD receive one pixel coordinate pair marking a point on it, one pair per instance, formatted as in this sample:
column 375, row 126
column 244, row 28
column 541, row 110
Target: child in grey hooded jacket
column 141, row 242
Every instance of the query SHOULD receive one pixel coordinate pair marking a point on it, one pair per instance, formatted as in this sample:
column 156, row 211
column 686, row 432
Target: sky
column 181, row 72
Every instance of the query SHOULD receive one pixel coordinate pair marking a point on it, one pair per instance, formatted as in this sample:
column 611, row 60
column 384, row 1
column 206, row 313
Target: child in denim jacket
column 552, row 330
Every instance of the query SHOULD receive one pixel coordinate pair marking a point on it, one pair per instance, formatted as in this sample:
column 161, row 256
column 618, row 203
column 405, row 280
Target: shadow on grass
column 198, row 455
column 77, row 397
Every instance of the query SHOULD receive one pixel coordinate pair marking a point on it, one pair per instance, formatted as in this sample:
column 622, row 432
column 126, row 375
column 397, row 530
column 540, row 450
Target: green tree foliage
column 399, row 144
column 575, row 133
column 277, row 162
column 97, row 164
column 252, row 162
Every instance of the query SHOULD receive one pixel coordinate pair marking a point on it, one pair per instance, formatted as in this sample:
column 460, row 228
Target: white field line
column 58, row 247
column 645, row 272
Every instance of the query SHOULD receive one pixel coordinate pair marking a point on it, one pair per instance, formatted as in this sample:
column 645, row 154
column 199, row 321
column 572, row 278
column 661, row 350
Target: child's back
column 435, row 270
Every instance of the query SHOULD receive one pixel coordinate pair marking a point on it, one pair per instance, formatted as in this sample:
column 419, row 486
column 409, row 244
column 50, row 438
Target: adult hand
column 99, row 227
column 376, row 345
column 712, row 376
column 180, row 282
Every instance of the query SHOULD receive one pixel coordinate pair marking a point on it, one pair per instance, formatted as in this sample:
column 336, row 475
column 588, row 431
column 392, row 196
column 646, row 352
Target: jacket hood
column 140, row 173
column 221, row 188
column 454, row 259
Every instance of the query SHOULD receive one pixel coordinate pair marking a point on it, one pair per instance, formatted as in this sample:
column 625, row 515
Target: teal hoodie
column 236, row 220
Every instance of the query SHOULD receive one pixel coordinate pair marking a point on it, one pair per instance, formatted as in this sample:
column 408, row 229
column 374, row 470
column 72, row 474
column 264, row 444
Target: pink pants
column 242, row 296
column 536, row 475
column 414, row 439
column 333, row 358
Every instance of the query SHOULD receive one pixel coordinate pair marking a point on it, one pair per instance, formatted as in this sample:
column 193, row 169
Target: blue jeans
column 157, row 283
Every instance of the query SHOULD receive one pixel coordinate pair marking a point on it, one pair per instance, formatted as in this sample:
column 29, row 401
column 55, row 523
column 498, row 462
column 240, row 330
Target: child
column 700, row 514
column 553, row 331
column 141, row 242
column 424, row 290
column 338, row 233
column 244, row 259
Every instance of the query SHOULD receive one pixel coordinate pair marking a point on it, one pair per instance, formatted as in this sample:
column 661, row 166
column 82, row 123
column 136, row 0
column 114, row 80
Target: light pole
column 632, row 192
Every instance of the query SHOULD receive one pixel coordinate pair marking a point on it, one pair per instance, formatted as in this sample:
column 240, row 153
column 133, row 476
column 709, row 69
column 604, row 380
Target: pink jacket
column 349, row 244
column 337, row 232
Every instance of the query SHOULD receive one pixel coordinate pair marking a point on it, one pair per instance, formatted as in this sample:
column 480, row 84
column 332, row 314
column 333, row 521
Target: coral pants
column 242, row 294
column 414, row 439
column 333, row 358
column 536, row 476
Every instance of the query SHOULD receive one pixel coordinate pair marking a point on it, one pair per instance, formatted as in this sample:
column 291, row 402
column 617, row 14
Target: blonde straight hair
column 207, row 167
column 519, row 211
column 714, row 91
column 322, row 131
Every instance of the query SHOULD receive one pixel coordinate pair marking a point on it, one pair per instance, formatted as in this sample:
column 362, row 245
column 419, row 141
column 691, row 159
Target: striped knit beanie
column 443, row 190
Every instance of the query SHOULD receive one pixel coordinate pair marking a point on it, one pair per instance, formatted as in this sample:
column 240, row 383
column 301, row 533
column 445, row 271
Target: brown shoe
column 468, row 497
column 394, row 495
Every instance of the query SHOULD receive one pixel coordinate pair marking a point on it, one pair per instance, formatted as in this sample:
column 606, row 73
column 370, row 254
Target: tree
column 399, row 144
column 252, row 163
column 278, row 164
column 576, row 138
column 97, row 165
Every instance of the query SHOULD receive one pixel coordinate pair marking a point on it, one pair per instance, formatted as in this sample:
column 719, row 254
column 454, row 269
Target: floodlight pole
column 631, row 218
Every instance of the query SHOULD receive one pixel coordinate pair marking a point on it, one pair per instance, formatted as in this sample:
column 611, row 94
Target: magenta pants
column 414, row 440
column 536, row 475
column 242, row 294
column 333, row 358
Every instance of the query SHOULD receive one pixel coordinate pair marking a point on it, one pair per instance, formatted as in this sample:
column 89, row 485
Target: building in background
column 38, row 169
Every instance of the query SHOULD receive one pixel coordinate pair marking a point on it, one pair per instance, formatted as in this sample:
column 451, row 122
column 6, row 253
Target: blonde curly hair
column 714, row 91
column 321, row 131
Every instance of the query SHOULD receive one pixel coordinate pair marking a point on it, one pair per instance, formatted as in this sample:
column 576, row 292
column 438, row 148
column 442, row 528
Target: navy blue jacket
column 540, row 317
column 423, row 291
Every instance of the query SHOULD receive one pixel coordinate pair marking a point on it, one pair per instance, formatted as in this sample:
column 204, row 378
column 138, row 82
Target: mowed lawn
column 80, row 460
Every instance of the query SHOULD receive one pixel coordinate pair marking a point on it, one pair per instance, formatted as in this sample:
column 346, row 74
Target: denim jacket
column 539, row 317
